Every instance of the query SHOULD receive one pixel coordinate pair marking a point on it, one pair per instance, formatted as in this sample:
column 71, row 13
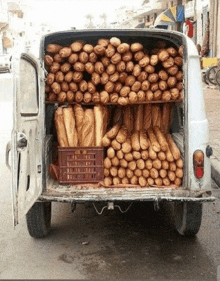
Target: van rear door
column 27, row 134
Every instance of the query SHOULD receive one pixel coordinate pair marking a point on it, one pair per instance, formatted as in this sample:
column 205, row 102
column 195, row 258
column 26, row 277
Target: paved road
column 141, row 244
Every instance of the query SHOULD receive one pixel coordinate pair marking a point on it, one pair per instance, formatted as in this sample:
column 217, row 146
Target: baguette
column 79, row 116
column 60, row 127
column 165, row 118
column 142, row 181
column 156, row 115
column 116, row 145
column 144, row 143
column 149, row 164
column 110, row 153
column 114, row 131
column 122, row 135
column 107, row 163
column 136, row 155
column 126, row 146
column 147, row 116
column 107, row 181
column 88, row 129
column 138, row 172
column 155, row 145
column 161, row 138
column 116, row 181
column 69, row 122
column 135, row 141
column 120, row 154
column 169, row 155
column 128, row 118
column 98, row 112
column 138, row 123
column 173, row 148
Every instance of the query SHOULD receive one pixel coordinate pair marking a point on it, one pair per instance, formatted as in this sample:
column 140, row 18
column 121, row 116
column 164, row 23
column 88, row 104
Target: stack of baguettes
column 76, row 126
column 142, row 152
column 113, row 72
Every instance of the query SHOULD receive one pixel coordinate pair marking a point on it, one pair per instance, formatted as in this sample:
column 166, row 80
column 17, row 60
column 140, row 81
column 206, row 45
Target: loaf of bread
column 88, row 128
column 144, row 142
column 60, row 127
column 165, row 118
column 138, row 121
column 156, row 115
column 70, row 125
column 99, row 124
column 147, row 116
column 128, row 118
column 79, row 116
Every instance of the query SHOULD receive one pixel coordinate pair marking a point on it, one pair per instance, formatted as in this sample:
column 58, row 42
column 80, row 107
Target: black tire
column 39, row 219
column 188, row 217
column 218, row 77
column 211, row 74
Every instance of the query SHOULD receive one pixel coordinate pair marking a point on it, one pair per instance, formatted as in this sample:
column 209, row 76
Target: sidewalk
column 212, row 104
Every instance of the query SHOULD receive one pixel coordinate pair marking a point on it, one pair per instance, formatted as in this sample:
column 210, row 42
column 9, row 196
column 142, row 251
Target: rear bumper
column 82, row 194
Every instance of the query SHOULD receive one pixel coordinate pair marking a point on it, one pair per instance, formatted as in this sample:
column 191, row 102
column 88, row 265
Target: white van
column 33, row 136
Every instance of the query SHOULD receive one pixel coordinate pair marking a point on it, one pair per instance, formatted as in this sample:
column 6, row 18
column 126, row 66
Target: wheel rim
column 212, row 75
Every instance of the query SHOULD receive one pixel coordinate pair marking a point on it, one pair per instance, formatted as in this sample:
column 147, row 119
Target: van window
column 28, row 88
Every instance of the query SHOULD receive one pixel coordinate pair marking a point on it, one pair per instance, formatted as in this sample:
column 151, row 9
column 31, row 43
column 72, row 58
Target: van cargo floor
column 83, row 193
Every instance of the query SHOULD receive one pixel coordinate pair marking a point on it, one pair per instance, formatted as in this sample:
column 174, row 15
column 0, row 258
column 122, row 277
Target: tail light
column 198, row 163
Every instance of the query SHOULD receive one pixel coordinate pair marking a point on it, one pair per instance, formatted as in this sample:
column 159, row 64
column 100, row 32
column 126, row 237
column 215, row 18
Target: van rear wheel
column 39, row 219
column 188, row 217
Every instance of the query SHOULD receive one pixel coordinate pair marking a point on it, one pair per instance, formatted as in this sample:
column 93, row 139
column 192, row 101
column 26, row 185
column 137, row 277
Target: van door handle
column 21, row 140
column 8, row 149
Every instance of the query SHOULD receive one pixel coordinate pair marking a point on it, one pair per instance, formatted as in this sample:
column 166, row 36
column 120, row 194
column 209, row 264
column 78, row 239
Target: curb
column 215, row 169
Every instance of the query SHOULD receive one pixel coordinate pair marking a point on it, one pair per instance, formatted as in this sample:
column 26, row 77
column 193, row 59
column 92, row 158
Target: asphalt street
column 140, row 245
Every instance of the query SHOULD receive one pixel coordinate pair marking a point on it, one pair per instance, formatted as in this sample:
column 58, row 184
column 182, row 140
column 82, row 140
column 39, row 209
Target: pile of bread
column 140, row 150
column 80, row 127
column 113, row 72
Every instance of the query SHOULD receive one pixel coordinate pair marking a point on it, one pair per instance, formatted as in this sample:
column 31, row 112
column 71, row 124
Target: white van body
column 31, row 145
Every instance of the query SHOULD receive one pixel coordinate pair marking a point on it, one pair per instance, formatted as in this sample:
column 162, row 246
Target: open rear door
column 27, row 135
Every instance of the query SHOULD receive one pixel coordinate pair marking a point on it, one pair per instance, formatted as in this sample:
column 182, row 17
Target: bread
column 116, row 145
column 157, row 164
column 179, row 173
column 155, row 144
column 128, row 157
column 145, row 173
column 144, row 154
column 113, row 171
column 98, row 113
column 173, row 148
column 79, row 116
column 123, row 163
column 115, row 161
column 138, row 121
column 156, row 115
column 161, row 156
column 114, row 131
column 120, row 155
column 144, row 142
column 116, row 181
column 150, row 181
column 138, row 172
column 135, row 141
column 158, row 182
column 122, row 134
column 172, row 167
column 165, row 165
column 69, row 122
column 154, row 173
column 107, row 181
column 136, row 155
column 147, row 116
column 134, row 180
column 142, row 181
column 165, row 119
column 106, row 141
column 178, row 182
column 129, row 173
column 53, row 48
column 163, row 173
column 126, row 146
column 87, row 97
column 128, row 118
column 107, row 163
column 169, row 155
column 152, row 153
column 106, row 172
column 60, row 127
column 132, row 165
column 88, row 128
column 179, row 163
column 140, row 164
column 121, row 172
column 161, row 138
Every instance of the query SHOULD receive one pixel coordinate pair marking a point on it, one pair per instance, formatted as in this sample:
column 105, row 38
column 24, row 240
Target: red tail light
column 198, row 163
